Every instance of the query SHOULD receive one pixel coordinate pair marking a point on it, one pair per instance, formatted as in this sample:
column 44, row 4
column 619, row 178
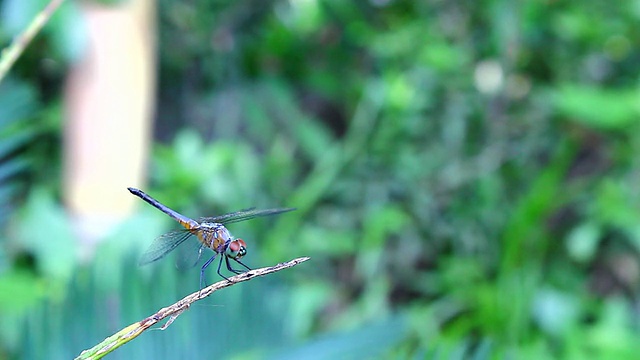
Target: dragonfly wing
column 163, row 245
column 189, row 254
column 245, row 214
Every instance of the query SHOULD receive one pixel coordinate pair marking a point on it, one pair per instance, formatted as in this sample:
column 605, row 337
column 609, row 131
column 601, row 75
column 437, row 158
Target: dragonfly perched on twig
column 211, row 233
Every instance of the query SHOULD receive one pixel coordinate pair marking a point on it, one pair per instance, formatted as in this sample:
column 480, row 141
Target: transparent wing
column 189, row 254
column 243, row 215
column 163, row 245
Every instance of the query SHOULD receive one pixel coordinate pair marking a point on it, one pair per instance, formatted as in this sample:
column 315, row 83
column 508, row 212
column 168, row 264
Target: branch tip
column 173, row 311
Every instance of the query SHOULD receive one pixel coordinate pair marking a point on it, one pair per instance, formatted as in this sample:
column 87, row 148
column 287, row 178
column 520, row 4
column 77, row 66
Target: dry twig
column 173, row 311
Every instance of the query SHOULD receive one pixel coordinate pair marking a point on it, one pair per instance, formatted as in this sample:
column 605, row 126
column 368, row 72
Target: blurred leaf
column 19, row 292
column 378, row 226
column 11, row 144
column 523, row 237
column 582, row 242
column 398, row 41
column 369, row 341
column 17, row 101
column 555, row 312
column 43, row 229
column 12, row 168
column 371, row 305
column 613, row 204
column 306, row 16
column 380, row 223
column 443, row 56
column 16, row 14
column 65, row 26
column 314, row 138
column 69, row 31
column 221, row 174
column 308, row 299
column 610, row 335
column 401, row 91
column 609, row 109
column 333, row 242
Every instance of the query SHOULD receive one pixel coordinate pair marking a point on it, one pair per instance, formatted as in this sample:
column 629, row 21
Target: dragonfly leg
column 220, row 264
column 226, row 258
column 241, row 263
column 204, row 267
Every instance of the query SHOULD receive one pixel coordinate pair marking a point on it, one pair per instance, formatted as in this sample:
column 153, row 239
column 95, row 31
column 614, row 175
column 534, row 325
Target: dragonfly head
column 237, row 249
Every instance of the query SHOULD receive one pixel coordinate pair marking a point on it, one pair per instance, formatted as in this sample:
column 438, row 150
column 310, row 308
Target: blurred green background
column 465, row 172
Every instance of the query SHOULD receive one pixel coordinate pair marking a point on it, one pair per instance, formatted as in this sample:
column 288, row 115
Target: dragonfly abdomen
column 183, row 220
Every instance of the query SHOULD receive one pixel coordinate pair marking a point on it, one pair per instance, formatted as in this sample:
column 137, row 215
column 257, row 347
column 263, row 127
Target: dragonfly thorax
column 218, row 238
column 215, row 236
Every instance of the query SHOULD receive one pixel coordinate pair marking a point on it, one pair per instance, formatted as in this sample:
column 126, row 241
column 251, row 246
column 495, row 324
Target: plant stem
column 13, row 52
column 173, row 311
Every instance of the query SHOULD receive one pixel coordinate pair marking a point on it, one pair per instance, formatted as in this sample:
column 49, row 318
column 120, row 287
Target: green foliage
column 609, row 109
column 67, row 35
column 18, row 284
column 465, row 176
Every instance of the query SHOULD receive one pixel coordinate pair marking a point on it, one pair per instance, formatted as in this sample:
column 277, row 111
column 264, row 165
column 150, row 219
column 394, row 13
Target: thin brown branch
column 173, row 311
column 12, row 53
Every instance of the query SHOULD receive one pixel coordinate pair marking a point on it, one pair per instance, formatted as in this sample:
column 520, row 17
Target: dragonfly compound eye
column 237, row 249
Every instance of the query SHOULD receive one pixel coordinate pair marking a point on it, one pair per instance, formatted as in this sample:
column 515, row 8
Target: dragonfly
column 210, row 232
